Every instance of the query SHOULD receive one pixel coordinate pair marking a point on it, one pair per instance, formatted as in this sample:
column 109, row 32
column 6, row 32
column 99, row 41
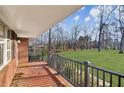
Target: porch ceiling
column 31, row 21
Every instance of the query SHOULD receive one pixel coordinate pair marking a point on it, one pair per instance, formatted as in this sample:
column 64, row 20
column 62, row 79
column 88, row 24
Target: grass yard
column 110, row 59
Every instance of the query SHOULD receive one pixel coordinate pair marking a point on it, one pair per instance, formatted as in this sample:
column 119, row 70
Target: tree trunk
column 121, row 43
column 99, row 42
column 63, row 47
column 74, row 46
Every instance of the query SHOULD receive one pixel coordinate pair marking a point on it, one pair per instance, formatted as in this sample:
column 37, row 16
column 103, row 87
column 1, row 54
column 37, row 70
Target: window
column 7, row 45
column 1, row 50
column 1, row 44
column 8, row 49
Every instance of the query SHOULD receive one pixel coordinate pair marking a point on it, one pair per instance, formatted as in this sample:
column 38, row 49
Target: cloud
column 94, row 12
column 87, row 18
column 81, row 8
column 97, row 25
column 76, row 17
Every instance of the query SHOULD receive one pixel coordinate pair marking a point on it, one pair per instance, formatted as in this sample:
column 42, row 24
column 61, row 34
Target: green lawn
column 110, row 59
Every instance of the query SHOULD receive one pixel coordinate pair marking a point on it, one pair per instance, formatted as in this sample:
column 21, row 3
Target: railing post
column 42, row 55
column 58, row 62
column 49, row 59
column 86, row 74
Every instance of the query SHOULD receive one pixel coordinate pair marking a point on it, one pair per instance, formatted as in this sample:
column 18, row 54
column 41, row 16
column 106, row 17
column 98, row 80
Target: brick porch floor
column 36, row 74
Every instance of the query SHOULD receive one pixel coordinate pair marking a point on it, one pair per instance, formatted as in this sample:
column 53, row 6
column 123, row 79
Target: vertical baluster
column 70, row 72
column 119, row 81
column 69, row 69
column 81, row 75
column 97, row 78
column 76, row 72
column 77, row 75
column 110, row 80
column 73, row 72
column 52, row 62
column 59, row 65
column 92, row 77
column 103, row 79
column 56, row 63
column 65, row 68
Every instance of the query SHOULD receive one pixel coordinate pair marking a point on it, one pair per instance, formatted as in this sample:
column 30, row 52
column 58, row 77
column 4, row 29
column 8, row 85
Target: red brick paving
column 34, row 75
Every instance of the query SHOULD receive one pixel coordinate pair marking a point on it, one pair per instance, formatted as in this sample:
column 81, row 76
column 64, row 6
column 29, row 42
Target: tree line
column 108, row 34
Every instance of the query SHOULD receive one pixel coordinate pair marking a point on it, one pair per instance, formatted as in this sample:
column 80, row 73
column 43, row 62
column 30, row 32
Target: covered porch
column 19, row 23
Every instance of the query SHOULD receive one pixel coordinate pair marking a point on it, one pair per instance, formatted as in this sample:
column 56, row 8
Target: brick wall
column 23, row 50
column 7, row 73
column 21, row 56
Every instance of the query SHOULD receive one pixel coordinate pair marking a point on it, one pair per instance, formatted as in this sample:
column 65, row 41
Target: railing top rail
column 72, row 60
column 107, row 71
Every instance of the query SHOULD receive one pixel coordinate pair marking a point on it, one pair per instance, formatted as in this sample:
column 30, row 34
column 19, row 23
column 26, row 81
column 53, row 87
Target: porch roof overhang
column 32, row 20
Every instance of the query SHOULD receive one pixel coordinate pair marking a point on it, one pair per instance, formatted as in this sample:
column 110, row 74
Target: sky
column 82, row 17
column 87, row 16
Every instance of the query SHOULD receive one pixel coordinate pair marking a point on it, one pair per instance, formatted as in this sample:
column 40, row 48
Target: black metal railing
column 84, row 74
column 34, row 57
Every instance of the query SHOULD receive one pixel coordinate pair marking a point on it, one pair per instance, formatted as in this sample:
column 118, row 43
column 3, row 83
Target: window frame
column 8, row 50
column 2, row 43
column 6, row 42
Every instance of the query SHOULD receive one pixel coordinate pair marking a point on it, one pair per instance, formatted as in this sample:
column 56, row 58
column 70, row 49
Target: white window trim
column 9, row 50
column 2, row 42
column 5, row 61
column 3, row 65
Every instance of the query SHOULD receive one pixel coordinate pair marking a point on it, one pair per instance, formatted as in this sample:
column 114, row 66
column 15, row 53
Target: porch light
column 18, row 41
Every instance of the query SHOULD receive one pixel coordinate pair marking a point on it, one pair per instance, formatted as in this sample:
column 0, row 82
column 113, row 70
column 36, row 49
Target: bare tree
column 91, row 35
column 61, row 32
column 86, row 37
column 115, row 34
column 120, row 20
column 75, row 33
column 104, row 19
